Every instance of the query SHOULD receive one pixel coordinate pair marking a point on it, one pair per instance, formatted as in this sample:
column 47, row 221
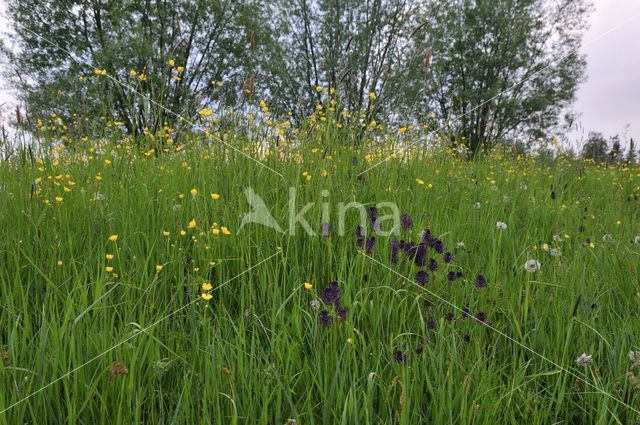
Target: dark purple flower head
column 426, row 235
column 360, row 242
column 581, row 229
column 480, row 281
column 325, row 318
column 419, row 349
column 431, row 324
column 410, row 249
column 373, row 213
column 467, row 338
column 376, row 225
column 433, row 265
column 427, row 303
column 438, row 245
column 459, row 274
column 421, row 254
column 342, row 311
column 405, row 221
column 447, row 257
column 481, row 317
column 465, row 312
column 371, row 242
column 395, row 247
column 553, row 195
column 360, row 232
column 325, row 229
column 331, row 294
column 449, row 316
column 398, row 356
column 452, row 276
column 422, row 277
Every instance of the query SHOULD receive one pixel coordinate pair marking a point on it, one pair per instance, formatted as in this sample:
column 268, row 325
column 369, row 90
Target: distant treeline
column 486, row 70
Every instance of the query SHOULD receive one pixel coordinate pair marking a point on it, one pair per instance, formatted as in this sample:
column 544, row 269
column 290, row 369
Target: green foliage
column 211, row 39
column 281, row 51
column 498, row 69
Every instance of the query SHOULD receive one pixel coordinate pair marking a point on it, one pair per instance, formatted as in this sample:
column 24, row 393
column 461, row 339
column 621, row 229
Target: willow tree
column 495, row 69
column 169, row 52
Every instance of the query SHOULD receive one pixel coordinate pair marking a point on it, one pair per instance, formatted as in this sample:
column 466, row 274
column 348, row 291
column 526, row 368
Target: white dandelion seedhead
column 555, row 252
column 584, row 360
column 477, row 205
column 607, row 238
column 315, row 305
column 501, row 226
column 460, row 245
column 636, row 240
column 177, row 207
column 634, row 356
column 532, row 265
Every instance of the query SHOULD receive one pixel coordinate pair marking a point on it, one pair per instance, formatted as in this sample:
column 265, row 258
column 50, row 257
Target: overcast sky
column 610, row 98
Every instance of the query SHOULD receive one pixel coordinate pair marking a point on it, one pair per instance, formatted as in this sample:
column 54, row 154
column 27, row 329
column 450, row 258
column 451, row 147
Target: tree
column 346, row 45
column 135, row 42
column 631, row 155
column 616, row 152
column 498, row 69
column 595, row 148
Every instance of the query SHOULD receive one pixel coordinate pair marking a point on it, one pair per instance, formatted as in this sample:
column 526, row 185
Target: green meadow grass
column 83, row 344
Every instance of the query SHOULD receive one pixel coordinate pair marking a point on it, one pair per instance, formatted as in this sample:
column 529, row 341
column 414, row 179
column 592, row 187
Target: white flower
column 523, row 186
column 584, row 360
column 460, row 245
column 99, row 196
column 501, row 226
column 557, row 238
column 532, row 265
column 636, row 240
column 177, row 207
column 494, row 188
column 477, row 205
column 607, row 238
column 505, row 198
column 634, row 356
column 555, row 252
column 315, row 304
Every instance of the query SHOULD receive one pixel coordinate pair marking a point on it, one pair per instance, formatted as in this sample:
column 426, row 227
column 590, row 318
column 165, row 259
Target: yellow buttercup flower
column 113, row 238
column 215, row 196
column 207, row 286
column 207, row 297
column 165, row 233
column 109, row 256
column 158, row 267
column 192, row 224
column 307, row 285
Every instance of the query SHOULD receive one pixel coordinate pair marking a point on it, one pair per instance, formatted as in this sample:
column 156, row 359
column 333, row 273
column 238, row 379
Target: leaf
column 418, row 28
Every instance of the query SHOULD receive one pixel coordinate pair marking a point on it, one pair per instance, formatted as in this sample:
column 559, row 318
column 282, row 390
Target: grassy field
column 130, row 292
